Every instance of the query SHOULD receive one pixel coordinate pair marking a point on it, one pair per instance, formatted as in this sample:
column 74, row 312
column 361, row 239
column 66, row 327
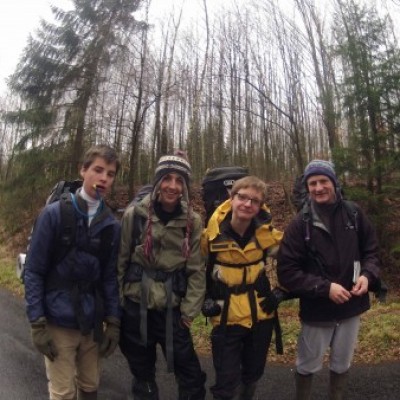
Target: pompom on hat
column 321, row 167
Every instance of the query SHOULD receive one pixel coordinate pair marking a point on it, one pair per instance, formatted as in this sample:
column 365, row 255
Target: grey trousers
column 314, row 341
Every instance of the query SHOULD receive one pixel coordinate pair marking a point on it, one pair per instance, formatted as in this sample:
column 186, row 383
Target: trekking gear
column 87, row 395
column 299, row 193
column 216, row 185
column 42, row 340
column 217, row 290
column 379, row 288
column 144, row 390
column 65, row 250
column 247, row 391
column 175, row 282
column 303, row 386
column 337, row 384
column 60, row 189
column 141, row 194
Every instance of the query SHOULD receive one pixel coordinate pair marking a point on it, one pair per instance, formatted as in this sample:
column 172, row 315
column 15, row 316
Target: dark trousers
column 142, row 359
column 239, row 356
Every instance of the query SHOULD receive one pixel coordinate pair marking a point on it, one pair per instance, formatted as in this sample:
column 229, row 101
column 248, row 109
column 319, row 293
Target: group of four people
column 142, row 282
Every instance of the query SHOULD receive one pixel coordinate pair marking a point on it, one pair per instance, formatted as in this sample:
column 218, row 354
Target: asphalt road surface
column 22, row 374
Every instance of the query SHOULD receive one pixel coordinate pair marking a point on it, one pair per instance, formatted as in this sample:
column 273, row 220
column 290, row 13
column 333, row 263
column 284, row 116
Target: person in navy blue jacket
column 71, row 289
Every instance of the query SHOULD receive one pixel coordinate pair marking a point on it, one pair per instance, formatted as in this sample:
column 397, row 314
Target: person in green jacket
column 161, row 277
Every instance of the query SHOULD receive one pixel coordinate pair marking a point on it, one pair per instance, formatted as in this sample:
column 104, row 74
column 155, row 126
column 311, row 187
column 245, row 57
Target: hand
column 186, row 321
column 361, row 286
column 338, row 294
column 110, row 337
column 210, row 308
column 42, row 340
column 282, row 295
column 270, row 303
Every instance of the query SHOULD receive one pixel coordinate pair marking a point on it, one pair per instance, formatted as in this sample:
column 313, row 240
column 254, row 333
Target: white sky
column 19, row 18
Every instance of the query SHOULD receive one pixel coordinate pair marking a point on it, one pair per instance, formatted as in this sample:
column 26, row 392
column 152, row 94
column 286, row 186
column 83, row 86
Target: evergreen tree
column 62, row 67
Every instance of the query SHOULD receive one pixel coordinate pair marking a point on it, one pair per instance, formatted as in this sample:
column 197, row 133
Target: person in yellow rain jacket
column 240, row 303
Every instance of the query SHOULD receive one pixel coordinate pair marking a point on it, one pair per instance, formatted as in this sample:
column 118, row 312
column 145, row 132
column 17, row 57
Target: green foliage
column 34, row 173
column 8, row 277
column 370, row 63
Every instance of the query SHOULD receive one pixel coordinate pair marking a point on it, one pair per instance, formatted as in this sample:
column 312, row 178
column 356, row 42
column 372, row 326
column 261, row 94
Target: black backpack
column 59, row 191
column 216, row 184
column 299, row 193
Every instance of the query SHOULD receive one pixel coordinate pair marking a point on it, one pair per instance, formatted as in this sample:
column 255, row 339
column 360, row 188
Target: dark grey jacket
column 337, row 248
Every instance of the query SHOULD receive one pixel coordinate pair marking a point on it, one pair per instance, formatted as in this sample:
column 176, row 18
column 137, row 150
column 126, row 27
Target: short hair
column 103, row 151
column 250, row 182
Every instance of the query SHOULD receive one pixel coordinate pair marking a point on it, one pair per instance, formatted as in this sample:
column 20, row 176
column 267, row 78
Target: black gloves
column 270, row 303
column 263, row 287
column 210, row 308
column 42, row 340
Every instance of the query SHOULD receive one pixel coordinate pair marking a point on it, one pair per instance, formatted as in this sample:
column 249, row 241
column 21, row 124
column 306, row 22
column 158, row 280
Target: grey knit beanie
column 321, row 167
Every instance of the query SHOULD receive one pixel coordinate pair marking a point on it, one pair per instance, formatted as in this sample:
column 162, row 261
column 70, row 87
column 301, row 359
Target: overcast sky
column 19, row 18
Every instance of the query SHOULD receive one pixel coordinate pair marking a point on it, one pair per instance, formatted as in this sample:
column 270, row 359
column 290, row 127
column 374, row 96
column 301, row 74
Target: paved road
column 22, row 375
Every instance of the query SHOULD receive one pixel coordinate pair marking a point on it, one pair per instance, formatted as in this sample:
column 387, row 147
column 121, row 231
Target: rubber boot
column 238, row 392
column 303, row 386
column 195, row 392
column 337, row 384
column 247, row 391
column 144, row 390
column 199, row 395
column 87, row 395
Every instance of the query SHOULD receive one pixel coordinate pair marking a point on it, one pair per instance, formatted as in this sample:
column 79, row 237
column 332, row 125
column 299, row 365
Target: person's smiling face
column 171, row 189
column 321, row 189
column 246, row 203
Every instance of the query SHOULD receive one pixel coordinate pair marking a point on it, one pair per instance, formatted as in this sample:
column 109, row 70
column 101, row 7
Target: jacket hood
column 262, row 219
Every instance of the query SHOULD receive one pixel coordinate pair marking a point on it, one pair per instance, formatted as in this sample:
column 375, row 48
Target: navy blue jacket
column 98, row 266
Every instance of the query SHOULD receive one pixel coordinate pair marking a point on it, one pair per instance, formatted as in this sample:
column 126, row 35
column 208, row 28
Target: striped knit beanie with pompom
column 175, row 163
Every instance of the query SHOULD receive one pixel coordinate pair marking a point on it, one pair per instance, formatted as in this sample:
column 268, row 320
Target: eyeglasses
column 243, row 198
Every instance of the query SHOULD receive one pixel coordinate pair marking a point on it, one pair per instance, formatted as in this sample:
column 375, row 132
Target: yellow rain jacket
column 234, row 266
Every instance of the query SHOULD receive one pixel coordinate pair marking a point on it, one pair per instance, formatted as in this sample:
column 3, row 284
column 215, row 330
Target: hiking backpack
column 299, row 193
column 216, row 186
column 59, row 190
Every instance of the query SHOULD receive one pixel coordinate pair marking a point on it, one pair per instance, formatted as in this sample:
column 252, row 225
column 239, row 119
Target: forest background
column 264, row 84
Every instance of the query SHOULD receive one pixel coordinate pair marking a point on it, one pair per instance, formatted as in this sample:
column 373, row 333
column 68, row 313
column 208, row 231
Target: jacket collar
column 221, row 216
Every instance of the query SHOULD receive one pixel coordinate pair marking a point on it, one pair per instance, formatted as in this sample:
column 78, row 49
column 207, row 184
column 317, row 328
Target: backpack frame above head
column 216, row 185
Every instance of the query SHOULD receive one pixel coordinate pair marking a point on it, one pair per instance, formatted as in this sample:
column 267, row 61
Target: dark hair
column 103, row 151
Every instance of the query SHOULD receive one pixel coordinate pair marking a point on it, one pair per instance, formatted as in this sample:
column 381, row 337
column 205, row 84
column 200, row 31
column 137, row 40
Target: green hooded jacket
column 167, row 257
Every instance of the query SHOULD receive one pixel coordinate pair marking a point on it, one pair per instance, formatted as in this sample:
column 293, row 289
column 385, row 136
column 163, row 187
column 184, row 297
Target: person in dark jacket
column 161, row 278
column 328, row 259
column 72, row 301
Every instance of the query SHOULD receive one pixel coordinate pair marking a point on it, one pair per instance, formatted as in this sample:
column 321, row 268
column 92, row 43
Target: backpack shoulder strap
column 67, row 237
column 352, row 213
column 137, row 230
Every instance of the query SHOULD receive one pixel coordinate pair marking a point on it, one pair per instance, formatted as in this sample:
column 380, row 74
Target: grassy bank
column 379, row 338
